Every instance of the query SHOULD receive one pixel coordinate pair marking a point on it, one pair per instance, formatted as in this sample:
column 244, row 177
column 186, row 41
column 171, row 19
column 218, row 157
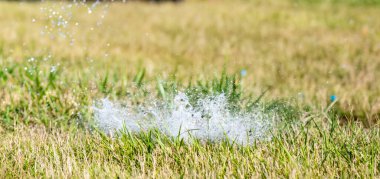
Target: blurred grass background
column 299, row 50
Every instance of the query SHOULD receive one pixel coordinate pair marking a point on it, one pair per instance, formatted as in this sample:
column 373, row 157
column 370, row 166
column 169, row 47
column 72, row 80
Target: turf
column 315, row 64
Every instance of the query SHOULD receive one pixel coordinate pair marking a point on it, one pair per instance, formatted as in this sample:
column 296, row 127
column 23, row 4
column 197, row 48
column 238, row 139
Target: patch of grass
column 293, row 58
column 349, row 2
column 310, row 150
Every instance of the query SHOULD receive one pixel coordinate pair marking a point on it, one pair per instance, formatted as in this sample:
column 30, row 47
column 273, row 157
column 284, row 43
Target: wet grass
column 314, row 65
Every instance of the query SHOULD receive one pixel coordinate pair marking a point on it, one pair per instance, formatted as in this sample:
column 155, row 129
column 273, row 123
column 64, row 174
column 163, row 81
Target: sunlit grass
column 314, row 64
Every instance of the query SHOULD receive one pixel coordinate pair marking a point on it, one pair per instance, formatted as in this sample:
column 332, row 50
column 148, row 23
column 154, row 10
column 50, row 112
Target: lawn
column 311, row 67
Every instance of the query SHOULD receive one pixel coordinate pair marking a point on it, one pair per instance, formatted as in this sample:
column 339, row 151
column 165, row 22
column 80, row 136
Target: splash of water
column 208, row 120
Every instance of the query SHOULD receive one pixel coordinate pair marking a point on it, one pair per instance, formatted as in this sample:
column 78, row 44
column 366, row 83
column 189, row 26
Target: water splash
column 208, row 120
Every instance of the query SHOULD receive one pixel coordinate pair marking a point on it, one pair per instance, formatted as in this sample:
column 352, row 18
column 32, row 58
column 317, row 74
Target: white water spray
column 210, row 120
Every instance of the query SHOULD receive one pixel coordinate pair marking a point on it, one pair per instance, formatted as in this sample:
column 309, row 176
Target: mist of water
column 208, row 120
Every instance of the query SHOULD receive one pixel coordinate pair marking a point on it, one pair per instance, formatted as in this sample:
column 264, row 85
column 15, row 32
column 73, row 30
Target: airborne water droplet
column 31, row 59
column 53, row 69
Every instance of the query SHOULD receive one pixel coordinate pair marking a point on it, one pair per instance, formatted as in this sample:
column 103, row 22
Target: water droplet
column 31, row 59
column 243, row 72
column 333, row 98
column 53, row 69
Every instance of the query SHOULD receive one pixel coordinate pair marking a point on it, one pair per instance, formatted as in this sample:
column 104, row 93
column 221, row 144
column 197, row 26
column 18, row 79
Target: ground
column 320, row 59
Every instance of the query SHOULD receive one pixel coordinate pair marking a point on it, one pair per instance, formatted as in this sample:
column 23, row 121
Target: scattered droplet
column 53, row 69
column 243, row 72
column 31, row 59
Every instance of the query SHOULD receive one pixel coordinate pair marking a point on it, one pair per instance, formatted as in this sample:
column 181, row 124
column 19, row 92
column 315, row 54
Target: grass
column 296, row 56
column 311, row 150
column 347, row 2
